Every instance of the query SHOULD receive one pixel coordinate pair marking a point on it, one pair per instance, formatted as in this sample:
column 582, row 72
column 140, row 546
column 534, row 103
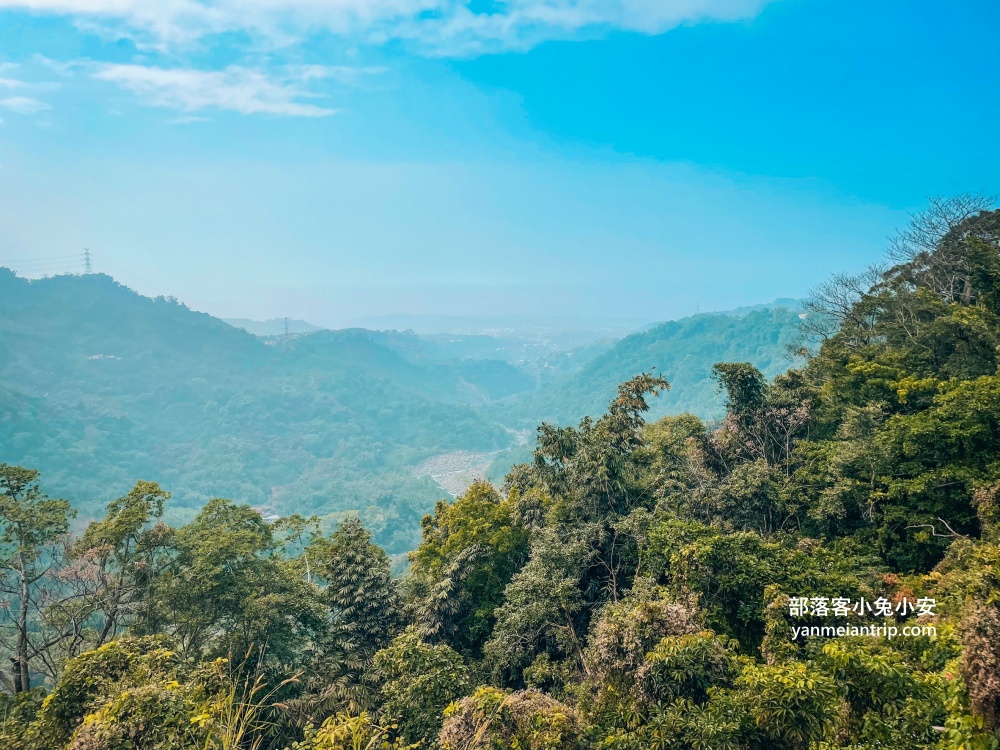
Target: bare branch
column 928, row 228
column 951, row 535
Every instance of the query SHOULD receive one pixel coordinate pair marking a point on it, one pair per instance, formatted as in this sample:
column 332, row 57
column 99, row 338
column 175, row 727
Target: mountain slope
column 100, row 386
column 683, row 351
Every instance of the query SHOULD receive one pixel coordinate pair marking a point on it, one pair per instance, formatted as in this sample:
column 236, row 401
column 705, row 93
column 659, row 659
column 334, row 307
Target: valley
column 100, row 385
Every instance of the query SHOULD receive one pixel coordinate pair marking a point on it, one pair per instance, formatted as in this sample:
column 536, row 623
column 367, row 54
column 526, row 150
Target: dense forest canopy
column 100, row 385
column 635, row 585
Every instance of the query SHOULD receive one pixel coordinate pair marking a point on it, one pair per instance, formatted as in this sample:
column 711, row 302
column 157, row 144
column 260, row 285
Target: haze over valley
column 100, row 385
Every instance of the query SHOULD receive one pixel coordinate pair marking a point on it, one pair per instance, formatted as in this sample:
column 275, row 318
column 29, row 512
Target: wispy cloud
column 438, row 26
column 432, row 27
column 63, row 68
column 23, row 105
column 7, row 82
column 236, row 89
column 189, row 119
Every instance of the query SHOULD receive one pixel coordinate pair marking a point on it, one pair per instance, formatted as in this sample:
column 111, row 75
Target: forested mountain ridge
column 99, row 384
column 683, row 351
column 817, row 570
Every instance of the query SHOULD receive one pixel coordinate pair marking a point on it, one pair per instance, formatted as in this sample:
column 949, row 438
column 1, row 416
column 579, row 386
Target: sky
column 333, row 160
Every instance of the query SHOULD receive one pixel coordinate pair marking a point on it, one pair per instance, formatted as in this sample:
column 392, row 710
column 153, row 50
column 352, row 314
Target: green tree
column 228, row 593
column 418, row 681
column 130, row 689
column 545, row 609
column 617, row 668
column 118, row 560
column 793, row 706
column 346, row 731
column 471, row 548
column 30, row 524
column 732, row 571
column 360, row 591
column 493, row 719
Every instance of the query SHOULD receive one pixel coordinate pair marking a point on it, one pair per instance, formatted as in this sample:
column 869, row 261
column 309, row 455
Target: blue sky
column 336, row 159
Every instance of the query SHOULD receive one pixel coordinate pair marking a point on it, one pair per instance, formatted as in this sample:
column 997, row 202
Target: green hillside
column 99, row 385
column 683, row 351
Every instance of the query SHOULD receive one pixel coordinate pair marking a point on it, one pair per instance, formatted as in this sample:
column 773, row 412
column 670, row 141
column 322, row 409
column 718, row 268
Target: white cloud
column 236, row 89
column 60, row 67
column 9, row 83
column 23, row 105
column 438, row 26
column 434, row 27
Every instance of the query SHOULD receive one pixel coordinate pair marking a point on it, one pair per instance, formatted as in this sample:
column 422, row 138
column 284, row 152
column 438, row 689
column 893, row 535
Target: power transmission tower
column 87, row 269
column 286, row 328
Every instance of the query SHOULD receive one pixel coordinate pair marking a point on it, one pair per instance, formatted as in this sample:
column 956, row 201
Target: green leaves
column 492, row 719
column 28, row 519
column 30, row 526
column 363, row 598
column 417, row 682
column 471, row 549
column 226, row 591
column 793, row 704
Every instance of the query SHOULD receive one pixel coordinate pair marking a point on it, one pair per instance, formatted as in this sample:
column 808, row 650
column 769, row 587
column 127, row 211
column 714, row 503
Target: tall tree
column 30, row 524
column 360, row 589
column 122, row 554
column 228, row 592
column 470, row 550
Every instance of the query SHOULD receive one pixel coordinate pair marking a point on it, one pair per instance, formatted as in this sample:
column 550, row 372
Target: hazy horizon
column 611, row 326
column 638, row 160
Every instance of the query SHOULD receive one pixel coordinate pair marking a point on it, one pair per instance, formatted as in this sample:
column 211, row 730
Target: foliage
column 347, row 732
column 618, row 667
column 130, row 692
column 418, row 681
column 359, row 589
column 30, row 525
column 227, row 594
column 492, row 719
column 470, row 550
column 792, row 704
column 732, row 571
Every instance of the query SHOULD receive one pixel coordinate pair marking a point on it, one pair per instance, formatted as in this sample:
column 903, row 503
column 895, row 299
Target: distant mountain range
column 580, row 330
column 683, row 351
column 100, row 386
column 272, row 327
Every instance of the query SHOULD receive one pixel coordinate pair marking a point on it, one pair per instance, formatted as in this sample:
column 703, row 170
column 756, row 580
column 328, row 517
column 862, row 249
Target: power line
column 42, row 260
column 60, row 268
column 52, row 264
column 63, row 262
